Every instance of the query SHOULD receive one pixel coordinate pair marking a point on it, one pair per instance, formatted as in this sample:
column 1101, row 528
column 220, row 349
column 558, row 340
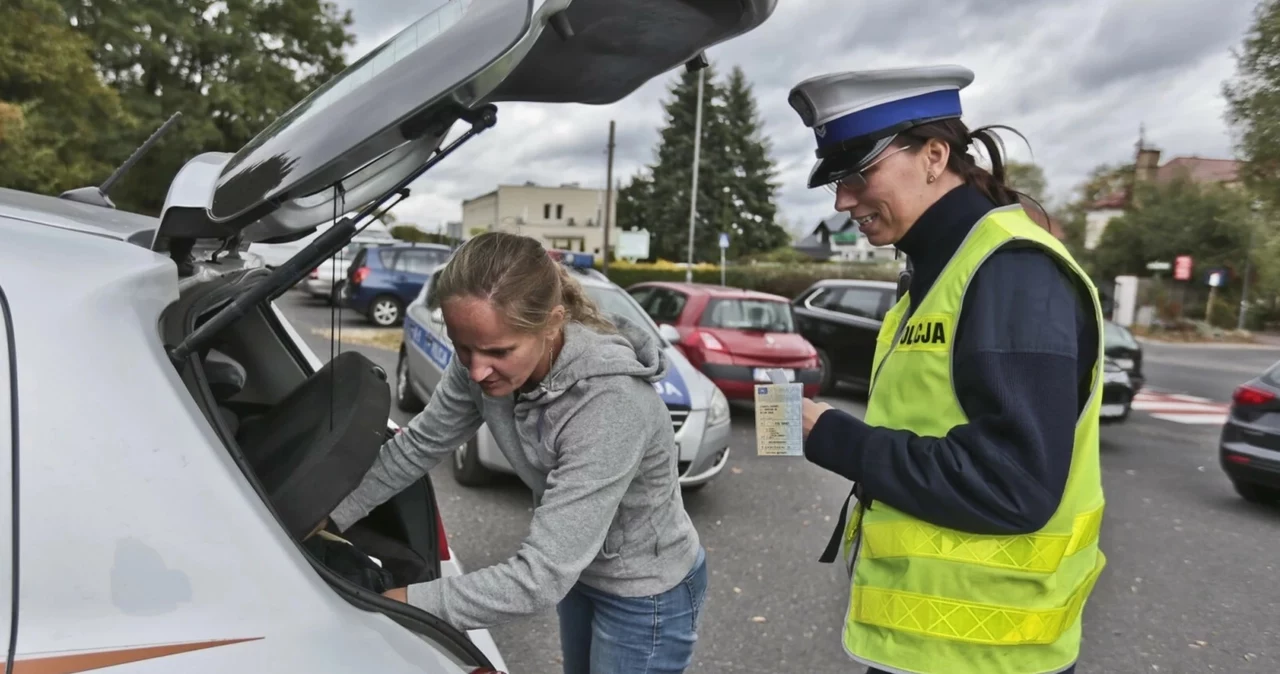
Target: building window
column 559, row 211
column 546, row 211
column 572, row 223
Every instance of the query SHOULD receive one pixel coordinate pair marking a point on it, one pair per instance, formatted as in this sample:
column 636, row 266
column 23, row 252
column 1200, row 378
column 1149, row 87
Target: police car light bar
column 572, row 259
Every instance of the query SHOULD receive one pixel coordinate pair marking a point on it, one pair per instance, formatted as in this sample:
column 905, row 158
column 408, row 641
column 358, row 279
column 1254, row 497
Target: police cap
column 855, row 115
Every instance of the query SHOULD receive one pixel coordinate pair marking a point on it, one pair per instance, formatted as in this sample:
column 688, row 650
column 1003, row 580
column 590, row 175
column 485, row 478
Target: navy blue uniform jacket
column 1024, row 346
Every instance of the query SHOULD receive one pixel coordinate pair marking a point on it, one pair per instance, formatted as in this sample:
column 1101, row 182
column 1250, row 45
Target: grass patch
column 378, row 338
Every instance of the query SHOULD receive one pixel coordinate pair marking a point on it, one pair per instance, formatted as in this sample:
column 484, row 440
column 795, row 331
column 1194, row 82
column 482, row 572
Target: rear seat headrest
column 225, row 375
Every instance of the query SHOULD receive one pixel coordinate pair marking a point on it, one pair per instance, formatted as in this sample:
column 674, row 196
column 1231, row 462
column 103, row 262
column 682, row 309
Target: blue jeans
column 601, row 633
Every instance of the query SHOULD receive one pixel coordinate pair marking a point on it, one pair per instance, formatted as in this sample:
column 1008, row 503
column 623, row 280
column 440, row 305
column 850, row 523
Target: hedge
column 787, row 281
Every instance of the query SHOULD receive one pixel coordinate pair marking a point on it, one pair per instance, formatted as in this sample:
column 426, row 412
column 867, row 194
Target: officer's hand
column 400, row 594
column 810, row 413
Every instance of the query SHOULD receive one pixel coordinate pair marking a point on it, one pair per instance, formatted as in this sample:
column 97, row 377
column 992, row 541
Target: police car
column 170, row 445
column 699, row 411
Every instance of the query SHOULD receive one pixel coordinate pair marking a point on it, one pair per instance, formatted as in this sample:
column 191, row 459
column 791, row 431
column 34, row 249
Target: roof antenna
column 97, row 196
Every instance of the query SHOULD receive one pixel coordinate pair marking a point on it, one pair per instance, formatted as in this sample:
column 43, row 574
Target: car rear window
column 1272, row 375
column 1115, row 335
column 748, row 314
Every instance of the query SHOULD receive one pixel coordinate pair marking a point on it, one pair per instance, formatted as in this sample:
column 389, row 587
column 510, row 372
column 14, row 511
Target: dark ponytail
column 992, row 184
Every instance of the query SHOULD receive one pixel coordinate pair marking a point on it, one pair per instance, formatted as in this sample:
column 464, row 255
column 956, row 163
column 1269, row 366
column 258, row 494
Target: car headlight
column 719, row 411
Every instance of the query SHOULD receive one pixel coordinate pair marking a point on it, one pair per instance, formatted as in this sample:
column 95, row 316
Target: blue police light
column 572, row 259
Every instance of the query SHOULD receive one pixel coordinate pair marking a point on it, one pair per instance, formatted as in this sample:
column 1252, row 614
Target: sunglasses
column 858, row 179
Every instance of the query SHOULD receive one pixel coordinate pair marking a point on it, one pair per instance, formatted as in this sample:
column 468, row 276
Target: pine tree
column 657, row 199
column 753, row 225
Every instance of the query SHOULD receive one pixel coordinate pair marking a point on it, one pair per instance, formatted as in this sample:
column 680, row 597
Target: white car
column 699, row 410
column 171, row 444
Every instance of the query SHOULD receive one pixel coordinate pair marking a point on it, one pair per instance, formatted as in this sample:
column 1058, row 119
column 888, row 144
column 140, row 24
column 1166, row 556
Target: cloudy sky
column 1077, row 79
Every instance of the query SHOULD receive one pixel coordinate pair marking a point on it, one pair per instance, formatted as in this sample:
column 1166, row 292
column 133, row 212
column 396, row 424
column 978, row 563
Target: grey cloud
column 1076, row 78
column 1142, row 40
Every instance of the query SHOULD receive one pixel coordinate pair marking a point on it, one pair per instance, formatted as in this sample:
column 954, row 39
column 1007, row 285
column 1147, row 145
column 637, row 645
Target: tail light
column 360, row 275
column 1247, row 396
column 708, row 341
column 442, row 541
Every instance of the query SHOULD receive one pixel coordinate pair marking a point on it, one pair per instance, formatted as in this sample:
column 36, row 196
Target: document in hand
column 779, row 424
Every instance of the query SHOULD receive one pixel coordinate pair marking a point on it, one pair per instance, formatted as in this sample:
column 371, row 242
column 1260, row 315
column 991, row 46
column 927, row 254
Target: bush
column 787, row 281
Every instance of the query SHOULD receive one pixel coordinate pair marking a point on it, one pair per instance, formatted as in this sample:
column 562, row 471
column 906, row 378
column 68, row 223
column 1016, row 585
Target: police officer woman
column 973, row 545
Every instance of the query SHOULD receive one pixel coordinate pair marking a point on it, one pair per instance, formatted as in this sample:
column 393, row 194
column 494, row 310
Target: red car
column 732, row 335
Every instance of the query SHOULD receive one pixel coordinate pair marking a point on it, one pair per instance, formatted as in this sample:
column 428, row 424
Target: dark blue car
column 382, row 281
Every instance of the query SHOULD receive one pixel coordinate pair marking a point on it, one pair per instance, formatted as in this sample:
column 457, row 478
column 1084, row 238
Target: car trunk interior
column 304, row 441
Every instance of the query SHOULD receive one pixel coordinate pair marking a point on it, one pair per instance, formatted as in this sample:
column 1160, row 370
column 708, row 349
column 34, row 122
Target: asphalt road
column 1193, row 577
column 1211, row 371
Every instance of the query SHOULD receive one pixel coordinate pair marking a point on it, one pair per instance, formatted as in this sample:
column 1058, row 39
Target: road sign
column 1216, row 278
column 632, row 245
column 1182, row 268
column 724, row 240
column 1158, row 266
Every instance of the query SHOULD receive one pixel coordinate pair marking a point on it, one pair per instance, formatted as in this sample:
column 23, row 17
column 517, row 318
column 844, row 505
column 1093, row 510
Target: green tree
column 1253, row 102
column 1106, row 181
column 1209, row 222
column 55, row 113
column 1027, row 178
column 657, row 198
column 735, row 175
column 752, row 221
column 230, row 66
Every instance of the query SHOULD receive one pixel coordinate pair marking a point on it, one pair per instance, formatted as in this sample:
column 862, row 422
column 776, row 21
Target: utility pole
column 608, row 200
column 1254, row 209
column 693, row 195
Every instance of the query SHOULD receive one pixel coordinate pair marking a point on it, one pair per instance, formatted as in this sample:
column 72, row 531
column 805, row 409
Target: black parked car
column 841, row 318
column 1249, row 449
column 1125, row 351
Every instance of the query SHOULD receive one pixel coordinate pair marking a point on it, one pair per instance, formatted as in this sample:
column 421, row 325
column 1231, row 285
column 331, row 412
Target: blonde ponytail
column 579, row 306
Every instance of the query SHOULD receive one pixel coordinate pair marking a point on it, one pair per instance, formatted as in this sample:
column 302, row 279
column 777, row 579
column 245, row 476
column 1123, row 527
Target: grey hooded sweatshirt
column 594, row 442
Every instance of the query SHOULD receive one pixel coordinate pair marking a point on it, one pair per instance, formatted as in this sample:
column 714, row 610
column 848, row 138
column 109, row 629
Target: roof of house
column 1200, row 169
column 1197, row 169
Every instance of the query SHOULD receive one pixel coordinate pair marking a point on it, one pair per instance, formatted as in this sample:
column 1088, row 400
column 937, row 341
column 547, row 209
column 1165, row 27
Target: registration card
column 779, row 423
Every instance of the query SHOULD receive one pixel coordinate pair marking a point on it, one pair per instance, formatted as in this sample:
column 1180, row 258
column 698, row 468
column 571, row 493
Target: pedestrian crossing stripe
column 1181, row 409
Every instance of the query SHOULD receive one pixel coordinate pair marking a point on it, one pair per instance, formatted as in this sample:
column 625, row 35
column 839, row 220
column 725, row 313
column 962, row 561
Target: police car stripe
column 428, row 344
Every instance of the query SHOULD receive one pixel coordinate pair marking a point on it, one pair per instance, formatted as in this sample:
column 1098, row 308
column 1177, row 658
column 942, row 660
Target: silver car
column 699, row 410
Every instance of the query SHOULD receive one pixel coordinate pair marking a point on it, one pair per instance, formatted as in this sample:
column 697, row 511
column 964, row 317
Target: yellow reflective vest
column 926, row 599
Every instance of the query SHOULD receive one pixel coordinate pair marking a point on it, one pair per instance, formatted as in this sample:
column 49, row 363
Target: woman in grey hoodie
column 568, row 395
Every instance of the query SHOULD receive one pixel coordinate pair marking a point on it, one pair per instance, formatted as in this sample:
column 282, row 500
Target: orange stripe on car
column 84, row 662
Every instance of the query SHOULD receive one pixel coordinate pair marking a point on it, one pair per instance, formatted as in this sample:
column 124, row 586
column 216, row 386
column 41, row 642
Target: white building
column 837, row 238
column 567, row 217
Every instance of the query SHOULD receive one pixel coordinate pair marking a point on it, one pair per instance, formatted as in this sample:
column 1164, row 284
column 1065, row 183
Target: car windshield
column 749, row 314
column 614, row 301
column 1115, row 335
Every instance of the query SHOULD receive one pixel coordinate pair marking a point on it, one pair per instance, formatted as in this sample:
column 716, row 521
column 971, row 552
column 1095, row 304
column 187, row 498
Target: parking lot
column 1192, row 585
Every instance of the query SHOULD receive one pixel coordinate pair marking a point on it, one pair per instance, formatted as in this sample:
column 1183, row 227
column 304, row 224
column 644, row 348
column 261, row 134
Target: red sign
column 1182, row 267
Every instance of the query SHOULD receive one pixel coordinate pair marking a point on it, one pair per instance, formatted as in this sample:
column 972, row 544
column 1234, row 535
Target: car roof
column 715, row 291
column 419, row 246
column 854, row 282
column 78, row 217
column 591, row 277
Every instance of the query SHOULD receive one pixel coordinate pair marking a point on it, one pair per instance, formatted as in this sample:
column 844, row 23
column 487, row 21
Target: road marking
column 1181, row 408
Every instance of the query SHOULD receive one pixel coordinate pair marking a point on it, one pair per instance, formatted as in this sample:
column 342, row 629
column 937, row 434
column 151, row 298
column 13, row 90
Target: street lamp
column 1254, row 208
column 693, row 196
